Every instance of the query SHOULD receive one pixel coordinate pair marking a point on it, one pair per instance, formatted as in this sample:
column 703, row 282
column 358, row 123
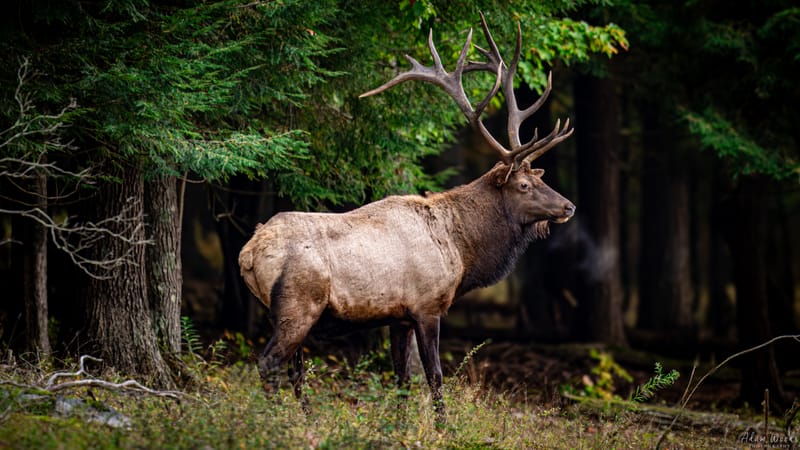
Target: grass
column 349, row 408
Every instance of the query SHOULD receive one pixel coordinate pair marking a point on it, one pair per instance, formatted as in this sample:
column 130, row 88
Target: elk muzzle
column 569, row 211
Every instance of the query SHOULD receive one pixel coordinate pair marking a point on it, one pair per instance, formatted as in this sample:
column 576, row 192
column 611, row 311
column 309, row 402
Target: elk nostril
column 569, row 209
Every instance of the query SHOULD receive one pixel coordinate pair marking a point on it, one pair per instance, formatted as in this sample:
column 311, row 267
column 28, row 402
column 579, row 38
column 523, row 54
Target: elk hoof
column 441, row 419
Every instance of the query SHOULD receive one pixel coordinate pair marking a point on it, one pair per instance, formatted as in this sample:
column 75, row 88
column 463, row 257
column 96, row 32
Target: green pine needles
column 657, row 382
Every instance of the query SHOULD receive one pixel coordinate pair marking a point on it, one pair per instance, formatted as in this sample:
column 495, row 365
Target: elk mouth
column 562, row 219
column 569, row 211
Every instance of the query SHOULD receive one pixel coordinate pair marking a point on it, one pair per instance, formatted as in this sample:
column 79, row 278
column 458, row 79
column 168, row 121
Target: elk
column 402, row 260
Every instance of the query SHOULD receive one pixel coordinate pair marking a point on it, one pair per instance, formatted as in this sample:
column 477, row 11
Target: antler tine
column 495, row 64
column 535, row 149
column 452, row 84
column 515, row 119
column 504, row 154
column 515, row 115
column 435, row 74
column 495, row 59
column 540, row 101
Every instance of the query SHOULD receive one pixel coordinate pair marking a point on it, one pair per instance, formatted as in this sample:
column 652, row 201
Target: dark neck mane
column 489, row 241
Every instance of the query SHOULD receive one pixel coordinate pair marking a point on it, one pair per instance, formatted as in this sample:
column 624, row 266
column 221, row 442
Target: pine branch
column 657, row 382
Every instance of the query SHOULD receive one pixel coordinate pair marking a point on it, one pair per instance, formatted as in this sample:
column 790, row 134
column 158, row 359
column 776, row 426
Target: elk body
column 402, row 260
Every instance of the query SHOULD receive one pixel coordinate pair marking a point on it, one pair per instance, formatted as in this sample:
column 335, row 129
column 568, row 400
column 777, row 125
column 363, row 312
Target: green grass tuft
column 356, row 407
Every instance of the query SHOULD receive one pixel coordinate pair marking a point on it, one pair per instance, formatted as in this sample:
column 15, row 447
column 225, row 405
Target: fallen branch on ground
column 129, row 386
column 661, row 416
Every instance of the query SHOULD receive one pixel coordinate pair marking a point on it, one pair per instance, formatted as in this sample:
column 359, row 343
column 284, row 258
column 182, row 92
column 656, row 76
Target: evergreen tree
column 726, row 76
column 209, row 90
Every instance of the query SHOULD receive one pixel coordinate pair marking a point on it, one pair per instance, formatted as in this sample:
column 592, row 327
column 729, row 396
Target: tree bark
column 600, row 294
column 119, row 319
column 665, row 281
column 36, row 313
column 780, row 283
column 748, row 237
column 164, row 275
column 722, row 314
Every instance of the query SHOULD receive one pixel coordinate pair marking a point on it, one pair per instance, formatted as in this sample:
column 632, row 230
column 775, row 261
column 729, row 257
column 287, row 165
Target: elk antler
column 452, row 84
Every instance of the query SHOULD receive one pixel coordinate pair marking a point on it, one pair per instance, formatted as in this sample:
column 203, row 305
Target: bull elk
column 402, row 260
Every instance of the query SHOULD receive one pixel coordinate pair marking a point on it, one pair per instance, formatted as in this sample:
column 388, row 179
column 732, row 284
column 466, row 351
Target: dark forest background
column 142, row 141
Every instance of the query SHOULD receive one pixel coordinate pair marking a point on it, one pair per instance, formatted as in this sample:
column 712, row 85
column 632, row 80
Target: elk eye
column 524, row 186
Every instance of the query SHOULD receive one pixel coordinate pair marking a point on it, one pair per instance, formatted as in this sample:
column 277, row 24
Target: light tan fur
column 380, row 261
column 401, row 256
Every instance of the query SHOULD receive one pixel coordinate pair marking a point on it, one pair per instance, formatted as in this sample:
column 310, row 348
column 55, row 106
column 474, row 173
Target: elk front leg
column 400, row 335
column 427, row 331
column 297, row 373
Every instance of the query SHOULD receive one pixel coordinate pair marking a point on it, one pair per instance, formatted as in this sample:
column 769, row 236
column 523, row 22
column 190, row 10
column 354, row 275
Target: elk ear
column 500, row 174
column 537, row 172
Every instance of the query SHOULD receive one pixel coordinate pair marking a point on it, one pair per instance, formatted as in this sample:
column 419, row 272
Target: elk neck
column 487, row 238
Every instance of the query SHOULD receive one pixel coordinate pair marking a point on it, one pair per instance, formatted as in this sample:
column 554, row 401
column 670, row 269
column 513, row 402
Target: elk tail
column 247, row 269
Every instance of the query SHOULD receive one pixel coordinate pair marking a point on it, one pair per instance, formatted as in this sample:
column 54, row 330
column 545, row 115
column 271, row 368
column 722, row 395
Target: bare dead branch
column 691, row 378
column 29, row 160
column 128, row 386
column 28, row 168
column 81, row 371
column 77, row 239
column 28, row 124
column 43, row 135
column 686, row 398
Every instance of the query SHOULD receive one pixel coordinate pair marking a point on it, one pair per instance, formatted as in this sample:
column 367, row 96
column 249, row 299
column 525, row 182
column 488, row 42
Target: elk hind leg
column 427, row 331
column 401, row 335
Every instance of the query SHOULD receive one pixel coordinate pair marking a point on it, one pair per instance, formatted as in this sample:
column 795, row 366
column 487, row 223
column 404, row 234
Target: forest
column 143, row 141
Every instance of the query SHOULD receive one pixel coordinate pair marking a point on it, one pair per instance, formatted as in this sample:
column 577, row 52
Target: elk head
column 529, row 201
column 526, row 198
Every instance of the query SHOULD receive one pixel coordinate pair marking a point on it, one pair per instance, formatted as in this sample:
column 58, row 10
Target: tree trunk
column 119, row 318
column 780, row 283
column 36, row 314
column 748, row 237
column 665, row 282
column 600, row 294
column 164, row 275
column 722, row 314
